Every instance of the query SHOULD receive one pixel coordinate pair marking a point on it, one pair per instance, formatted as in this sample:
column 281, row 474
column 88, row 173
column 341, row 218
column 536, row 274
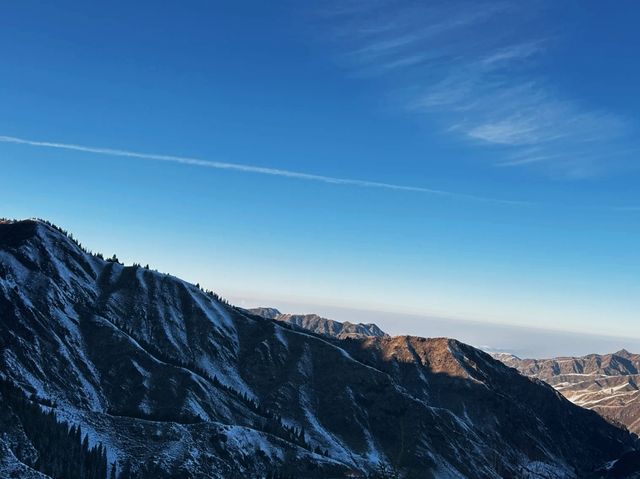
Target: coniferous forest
column 62, row 450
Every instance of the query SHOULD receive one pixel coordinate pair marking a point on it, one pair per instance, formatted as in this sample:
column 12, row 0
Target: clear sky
column 472, row 160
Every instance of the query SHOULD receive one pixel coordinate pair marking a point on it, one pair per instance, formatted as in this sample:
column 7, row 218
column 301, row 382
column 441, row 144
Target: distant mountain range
column 324, row 326
column 608, row 384
column 112, row 369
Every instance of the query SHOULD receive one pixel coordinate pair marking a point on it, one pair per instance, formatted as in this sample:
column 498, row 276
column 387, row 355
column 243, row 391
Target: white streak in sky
column 253, row 169
column 476, row 70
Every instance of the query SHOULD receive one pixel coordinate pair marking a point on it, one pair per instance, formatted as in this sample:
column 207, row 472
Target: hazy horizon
column 454, row 159
column 524, row 342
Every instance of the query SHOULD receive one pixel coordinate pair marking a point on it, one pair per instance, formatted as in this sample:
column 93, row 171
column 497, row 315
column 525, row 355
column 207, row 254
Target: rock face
column 175, row 382
column 605, row 383
column 320, row 325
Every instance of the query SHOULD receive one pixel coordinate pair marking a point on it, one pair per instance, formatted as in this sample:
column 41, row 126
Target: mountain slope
column 320, row 325
column 608, row 384
column 176, row 383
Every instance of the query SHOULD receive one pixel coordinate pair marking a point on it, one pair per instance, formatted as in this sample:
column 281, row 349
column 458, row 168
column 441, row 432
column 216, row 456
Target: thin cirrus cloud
column 471, row 67
column 255, row 169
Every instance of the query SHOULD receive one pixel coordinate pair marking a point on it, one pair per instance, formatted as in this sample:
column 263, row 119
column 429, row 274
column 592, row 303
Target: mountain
column 107, row 365
column 608, row 384
column 269, row 313
column 320, row 325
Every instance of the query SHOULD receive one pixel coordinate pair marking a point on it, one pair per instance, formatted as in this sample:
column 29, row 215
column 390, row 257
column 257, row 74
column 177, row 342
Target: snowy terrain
column 165, row 374
column 607, row 384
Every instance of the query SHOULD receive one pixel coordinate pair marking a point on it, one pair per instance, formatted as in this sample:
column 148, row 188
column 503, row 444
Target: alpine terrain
column 320, row 325
column 605, row 383
column 120, row 371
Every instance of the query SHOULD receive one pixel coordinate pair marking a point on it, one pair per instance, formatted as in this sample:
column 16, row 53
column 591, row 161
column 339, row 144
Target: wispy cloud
column 472, row 68
column 254, row 169
column 514, row 52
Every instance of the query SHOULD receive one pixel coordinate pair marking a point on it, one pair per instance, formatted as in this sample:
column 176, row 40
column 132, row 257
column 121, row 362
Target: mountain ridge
column 171, row 379
column 606, row 383
column 320, row 325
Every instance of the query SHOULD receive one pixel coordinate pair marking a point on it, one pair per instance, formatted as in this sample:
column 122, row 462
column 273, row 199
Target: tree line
column 62, row 450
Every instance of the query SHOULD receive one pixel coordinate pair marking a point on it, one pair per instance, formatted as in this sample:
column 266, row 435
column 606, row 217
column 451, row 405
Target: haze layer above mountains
column 172, row 381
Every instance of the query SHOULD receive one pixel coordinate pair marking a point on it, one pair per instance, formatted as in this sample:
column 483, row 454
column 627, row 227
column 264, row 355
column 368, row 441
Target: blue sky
column 472, row 160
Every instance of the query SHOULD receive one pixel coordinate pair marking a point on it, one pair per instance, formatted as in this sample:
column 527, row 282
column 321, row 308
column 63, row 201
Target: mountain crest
column 177, row 383
column 320, row 325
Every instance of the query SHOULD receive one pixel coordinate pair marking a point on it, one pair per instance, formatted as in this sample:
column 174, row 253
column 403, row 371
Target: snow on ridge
column 142, row 371
column 16, row 275
column 247, row 439
column 11, row 466
column 337, row 449
column 170, row 332
column 227, row 375
column 373, row 454
column 444, row 470
column 192, row 406
column 76, row 417
column 12, row 364
column 340, row 350
column 537, row 469
column 89, row 391
column 278, row 331
column 223, row 315
column 52, row 242
column 218, row 317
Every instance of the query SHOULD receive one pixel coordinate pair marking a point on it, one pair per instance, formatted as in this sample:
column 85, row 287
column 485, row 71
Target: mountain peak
column 14, row 232
column 623, row 353
column 606, row 383
column 266, row 312
column 320, row 325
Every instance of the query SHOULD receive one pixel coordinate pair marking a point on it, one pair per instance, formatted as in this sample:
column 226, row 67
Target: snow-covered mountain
column 174, row 382
column 608, row 383
column 320, row 325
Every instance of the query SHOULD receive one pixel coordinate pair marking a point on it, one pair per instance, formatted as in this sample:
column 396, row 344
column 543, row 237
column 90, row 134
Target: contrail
column 253, row 169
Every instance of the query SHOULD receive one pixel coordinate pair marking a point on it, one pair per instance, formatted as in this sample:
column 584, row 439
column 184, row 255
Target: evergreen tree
column 61, row 453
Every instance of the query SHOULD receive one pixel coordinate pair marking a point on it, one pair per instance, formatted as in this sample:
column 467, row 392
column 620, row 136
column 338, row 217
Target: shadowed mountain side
column 177, row 383
column 607, row 383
